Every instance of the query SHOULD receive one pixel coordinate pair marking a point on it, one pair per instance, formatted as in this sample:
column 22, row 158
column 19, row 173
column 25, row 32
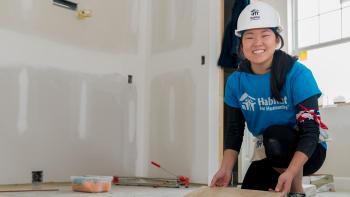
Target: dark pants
column 262, row 176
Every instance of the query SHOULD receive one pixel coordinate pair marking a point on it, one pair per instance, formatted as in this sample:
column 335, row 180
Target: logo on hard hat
column 254, row 14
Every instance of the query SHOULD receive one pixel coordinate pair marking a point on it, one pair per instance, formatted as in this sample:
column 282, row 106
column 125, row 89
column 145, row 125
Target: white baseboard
column 342, row 183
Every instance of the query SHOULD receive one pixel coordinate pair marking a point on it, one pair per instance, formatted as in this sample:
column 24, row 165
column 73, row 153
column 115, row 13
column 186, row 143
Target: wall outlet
column 129, row 79
column 37, row 176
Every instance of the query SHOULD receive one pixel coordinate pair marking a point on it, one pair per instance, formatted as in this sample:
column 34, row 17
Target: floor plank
column 228, row 192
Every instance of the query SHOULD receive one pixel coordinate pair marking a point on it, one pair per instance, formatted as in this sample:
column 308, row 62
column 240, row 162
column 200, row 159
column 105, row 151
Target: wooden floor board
column 229, row 192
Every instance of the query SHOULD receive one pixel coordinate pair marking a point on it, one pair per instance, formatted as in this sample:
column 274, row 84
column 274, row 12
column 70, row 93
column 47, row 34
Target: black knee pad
column 280, row 143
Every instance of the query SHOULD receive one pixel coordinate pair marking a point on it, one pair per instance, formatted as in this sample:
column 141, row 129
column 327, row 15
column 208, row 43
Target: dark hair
column 281, row 64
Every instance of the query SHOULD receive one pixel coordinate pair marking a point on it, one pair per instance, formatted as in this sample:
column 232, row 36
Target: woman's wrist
column 297, row 163
column 229, row 160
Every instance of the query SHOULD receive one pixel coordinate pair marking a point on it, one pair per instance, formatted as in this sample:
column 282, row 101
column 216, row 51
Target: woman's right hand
column 222, row 178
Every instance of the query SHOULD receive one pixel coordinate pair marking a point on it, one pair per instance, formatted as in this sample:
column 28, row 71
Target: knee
column 280, row 142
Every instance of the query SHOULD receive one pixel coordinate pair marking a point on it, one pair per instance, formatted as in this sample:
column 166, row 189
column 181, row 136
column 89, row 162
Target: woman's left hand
column 284, row 182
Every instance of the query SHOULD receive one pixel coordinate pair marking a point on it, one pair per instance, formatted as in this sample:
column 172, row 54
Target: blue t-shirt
column 252, row 93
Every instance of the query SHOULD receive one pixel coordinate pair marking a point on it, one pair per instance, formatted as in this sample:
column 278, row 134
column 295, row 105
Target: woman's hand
column 284, row 182
column 294, row 171
column 222, row 178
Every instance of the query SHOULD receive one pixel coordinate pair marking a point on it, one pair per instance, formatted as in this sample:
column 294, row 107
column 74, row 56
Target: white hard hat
column 258, row 15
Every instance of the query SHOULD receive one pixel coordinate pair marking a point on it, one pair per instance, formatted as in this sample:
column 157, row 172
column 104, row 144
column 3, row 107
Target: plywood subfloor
column 131, row 191
column 228, row 192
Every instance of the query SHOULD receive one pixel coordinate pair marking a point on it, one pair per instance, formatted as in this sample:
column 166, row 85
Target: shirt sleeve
column 231, row 92
column 309, row 129
column 234, row 128
column 304, row 86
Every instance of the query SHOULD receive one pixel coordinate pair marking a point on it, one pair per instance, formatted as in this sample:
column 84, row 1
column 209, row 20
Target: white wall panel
column 67, row 108
column 45, row 132
column 179, row 88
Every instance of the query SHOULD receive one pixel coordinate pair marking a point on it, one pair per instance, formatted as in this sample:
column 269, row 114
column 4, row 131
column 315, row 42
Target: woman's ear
column 240, row 51
column 278, row 42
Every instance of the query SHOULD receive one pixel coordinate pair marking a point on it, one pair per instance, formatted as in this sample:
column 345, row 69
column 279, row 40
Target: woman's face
column 259, row 45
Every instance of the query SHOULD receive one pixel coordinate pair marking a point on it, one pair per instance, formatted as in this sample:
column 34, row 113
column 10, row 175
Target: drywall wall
column 65, row 123
column 172, row 84
column 178, row 85
column 67, row 106
column 337, row 161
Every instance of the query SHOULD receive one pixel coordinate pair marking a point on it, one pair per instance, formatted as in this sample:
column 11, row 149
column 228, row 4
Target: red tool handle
column 184, row 180
column 158, row 166
column 155, row 164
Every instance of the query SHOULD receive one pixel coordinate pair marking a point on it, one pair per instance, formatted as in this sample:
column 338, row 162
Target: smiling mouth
column 258, row 51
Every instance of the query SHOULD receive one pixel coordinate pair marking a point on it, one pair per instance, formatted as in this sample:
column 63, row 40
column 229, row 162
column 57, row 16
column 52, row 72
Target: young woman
column 276, row 96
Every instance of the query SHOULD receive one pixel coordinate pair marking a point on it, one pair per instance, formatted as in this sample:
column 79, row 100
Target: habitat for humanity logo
column 248, row 102
column 254, row 14
column 264, row 104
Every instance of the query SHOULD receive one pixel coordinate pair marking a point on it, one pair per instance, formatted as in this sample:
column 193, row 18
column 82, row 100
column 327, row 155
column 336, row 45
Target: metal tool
column 183, row 180
column 143, row 181
column 153, row 182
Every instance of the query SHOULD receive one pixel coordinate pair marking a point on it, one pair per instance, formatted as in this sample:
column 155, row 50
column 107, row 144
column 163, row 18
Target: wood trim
column 221, row 89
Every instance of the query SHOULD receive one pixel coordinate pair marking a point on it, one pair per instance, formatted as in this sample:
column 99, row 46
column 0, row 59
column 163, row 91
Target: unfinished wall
column 66, row 105
column 337, row 162
column 65, row 123
column 182, row 91
column 178, row 86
